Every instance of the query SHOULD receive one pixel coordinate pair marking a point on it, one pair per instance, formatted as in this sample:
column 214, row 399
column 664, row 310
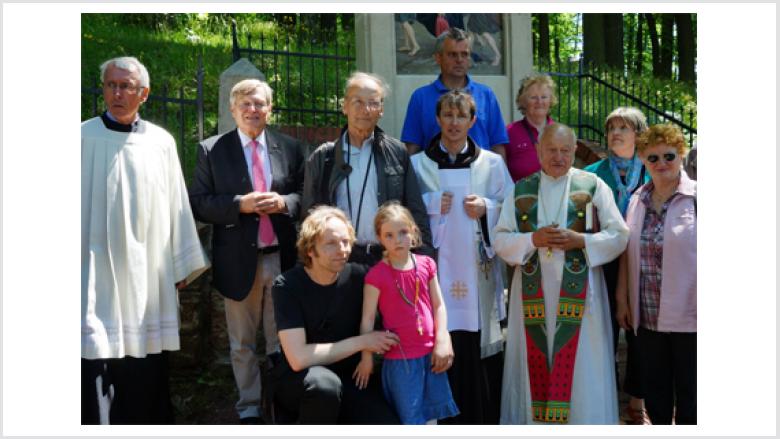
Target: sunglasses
column 668, row 157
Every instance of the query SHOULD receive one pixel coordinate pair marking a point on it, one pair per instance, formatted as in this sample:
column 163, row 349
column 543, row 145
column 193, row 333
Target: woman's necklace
column 553, row 220
column 417, row 315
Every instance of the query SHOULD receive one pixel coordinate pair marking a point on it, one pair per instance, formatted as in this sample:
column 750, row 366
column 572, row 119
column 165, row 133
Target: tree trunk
column 686, row 48
column 557, row 40
column 654, row 45
column 629, row 33
column 544, row 38
column 667, row 45
column 613, row 41
column 593, row 47
column 640, row 45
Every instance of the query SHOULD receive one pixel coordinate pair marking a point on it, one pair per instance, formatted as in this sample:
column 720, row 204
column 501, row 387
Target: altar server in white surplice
column 138, row 244
column 558, row 227
column 463, row 187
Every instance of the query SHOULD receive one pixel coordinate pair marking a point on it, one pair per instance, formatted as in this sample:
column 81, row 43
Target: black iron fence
column 307, row 73
column 586, row 95
column 170, row 108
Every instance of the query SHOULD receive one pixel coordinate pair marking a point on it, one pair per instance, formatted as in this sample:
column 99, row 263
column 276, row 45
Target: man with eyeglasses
column 139, row 244
column 363, row 169
column 558, row 229
column 464, row 187
column 248, row 184
column 453, row 55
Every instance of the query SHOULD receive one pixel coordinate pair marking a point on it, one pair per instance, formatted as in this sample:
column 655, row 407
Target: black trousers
column 475, row 381
column 632, row 382
column 669, row 375
column 126, row 391
column 320, row 396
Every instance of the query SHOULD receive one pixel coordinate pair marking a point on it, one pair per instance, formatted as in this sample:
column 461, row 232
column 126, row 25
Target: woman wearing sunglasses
column 624, row 173
column 656, row 291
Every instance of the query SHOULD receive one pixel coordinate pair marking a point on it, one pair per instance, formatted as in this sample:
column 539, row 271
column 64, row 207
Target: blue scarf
column 633, row 168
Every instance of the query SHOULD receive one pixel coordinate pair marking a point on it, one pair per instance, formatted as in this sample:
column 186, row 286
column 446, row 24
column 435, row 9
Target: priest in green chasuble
column 557, row 229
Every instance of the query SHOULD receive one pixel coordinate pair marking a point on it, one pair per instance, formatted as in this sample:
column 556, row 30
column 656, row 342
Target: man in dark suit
column 248, row 183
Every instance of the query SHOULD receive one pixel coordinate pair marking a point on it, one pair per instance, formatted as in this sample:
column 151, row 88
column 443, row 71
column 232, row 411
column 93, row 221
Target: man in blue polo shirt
column 453, row 54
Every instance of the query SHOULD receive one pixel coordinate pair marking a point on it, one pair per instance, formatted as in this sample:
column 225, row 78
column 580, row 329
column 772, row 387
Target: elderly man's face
column 363, row 105
column 332, row 248
column 556, row 154
column 455, row 58
column 123, row 93
column 251, row 112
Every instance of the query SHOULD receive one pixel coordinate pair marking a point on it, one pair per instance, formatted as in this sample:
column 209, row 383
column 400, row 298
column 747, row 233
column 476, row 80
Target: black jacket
column 220, row 179
column 396, row 180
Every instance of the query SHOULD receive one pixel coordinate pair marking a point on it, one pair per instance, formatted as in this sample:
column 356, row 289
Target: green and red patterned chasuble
column 551, row 373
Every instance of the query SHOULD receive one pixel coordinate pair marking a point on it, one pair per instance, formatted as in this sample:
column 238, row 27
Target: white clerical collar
column 462, row 151
column 245, row 139
column 552, row 179
column 111, row 116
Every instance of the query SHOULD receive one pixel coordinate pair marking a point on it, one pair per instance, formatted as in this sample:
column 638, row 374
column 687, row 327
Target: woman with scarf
column 622, row 170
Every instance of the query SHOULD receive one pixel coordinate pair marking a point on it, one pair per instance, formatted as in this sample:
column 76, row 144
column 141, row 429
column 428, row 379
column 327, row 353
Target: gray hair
column 453, row 33
column 129, row 63
column 558, row 130
column 248, row 87
column 356, row 77
column 630, row 115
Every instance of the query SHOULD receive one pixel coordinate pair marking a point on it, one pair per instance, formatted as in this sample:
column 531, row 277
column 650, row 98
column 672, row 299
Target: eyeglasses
column 124, row 87
column 358, row 104
column 244, row 106
column 542, row 98
column 668, row 157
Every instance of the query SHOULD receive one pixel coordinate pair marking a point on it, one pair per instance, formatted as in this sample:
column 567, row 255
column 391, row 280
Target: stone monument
column 238, row 71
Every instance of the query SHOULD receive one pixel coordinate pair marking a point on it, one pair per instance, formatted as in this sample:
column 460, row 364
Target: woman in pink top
column 534, row 99
column 405, row 288
column 656, row 291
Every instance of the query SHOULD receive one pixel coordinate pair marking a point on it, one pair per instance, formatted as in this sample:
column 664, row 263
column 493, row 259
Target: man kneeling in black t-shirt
column 318, row 307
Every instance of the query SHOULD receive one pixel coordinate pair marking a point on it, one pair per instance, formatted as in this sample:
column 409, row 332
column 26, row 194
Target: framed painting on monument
column 415, row 40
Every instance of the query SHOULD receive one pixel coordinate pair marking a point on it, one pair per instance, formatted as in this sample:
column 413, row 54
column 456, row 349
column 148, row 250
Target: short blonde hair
column 630, row 115
column 248, row 87
column 461, row 100
column 392, row 210
column 314, row 225
column 531, row 80
column 667, row 133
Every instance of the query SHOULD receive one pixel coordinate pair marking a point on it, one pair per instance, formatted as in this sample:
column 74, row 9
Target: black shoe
column 252, row 420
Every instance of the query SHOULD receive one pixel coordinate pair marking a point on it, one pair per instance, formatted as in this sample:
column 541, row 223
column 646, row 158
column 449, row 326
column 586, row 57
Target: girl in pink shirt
column 405, row 289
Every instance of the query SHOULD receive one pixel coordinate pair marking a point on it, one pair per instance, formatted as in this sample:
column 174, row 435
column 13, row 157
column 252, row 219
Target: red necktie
column 265, row 232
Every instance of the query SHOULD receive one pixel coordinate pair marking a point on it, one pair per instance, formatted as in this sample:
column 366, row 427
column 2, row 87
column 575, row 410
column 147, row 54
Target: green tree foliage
column 171, row 44
column 632, row 52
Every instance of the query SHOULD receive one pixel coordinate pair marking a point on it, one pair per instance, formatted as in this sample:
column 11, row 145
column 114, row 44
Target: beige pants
column 243, row 320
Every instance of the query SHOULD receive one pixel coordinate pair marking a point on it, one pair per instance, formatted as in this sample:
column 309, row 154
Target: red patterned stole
column 551, row 374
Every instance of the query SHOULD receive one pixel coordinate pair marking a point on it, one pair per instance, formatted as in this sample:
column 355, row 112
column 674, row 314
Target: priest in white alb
column 138, row 244
column 557, row 228
column 463, row 187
